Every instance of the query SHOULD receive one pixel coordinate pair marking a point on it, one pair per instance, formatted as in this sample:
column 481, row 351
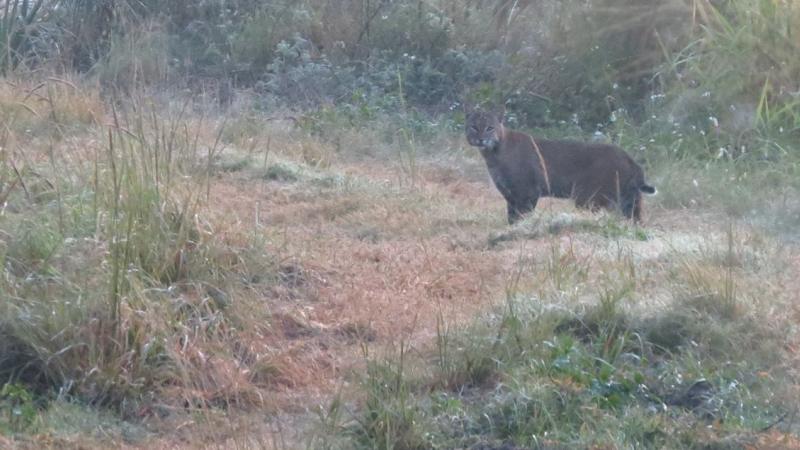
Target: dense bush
column 726, row 69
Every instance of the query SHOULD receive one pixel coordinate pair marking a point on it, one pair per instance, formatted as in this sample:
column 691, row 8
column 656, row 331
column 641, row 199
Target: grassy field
column 176, row 275
column 257, row 224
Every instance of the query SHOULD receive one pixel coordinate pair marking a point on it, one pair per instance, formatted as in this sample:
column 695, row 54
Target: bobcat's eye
column 473, row 128
column 489, row 128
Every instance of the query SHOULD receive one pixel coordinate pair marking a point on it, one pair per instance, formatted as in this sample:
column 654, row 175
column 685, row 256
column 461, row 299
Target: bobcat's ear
column 500, row 113
column 467, row 107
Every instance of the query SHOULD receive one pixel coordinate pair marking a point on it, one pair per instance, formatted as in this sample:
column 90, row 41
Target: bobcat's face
column 484, row 130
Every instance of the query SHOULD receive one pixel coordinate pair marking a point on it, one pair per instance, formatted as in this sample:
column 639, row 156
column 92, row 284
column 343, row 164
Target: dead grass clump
column 119, row 292
column 356, row 332
column 711, row 290
column 38, row 108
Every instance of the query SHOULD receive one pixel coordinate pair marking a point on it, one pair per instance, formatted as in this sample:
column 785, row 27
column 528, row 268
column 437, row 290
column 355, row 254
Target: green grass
column 572, row 379
column 705, row 369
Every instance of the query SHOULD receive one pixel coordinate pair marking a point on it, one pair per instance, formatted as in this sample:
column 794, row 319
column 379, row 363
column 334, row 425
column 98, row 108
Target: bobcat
column 523, row 169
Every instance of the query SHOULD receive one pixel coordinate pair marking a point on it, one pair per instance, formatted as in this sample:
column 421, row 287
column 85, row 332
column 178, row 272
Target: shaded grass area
column 707, row 368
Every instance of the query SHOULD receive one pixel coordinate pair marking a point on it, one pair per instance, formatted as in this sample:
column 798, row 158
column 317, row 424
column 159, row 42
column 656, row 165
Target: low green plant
column 17, row 409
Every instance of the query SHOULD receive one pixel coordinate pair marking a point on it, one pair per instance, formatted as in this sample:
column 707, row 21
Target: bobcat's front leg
column 517, row 209
column 513, row 213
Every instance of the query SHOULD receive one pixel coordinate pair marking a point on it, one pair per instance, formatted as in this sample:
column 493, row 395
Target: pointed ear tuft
column 500, row 113
column 468, row 107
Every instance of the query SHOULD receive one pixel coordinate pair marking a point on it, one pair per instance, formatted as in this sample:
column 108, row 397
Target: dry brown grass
column 340, row 289
column 366, row 266
column 339, row 284
column 365, row 259
column 30, row 106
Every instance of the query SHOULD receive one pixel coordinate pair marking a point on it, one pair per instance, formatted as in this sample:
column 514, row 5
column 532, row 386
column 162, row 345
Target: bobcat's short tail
column 647, row 189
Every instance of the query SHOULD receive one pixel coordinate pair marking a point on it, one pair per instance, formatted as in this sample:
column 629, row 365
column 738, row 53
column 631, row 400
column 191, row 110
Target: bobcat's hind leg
column 593, row 201
column 632, row 206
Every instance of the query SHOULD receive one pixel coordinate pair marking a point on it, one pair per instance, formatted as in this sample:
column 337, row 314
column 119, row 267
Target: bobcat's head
column 484, row 129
